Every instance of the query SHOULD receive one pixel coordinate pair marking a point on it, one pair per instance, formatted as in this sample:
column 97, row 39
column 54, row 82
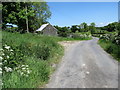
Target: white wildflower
column 115, row 38
column 5, row 60
column 7, row 56
column 1, row 83
column 1, row 58
column 26, row 75
column 8, row 69
column 28, row 71
column 1, row 49
column 0, row 63
column 0, row 69
column 22, row 65
column 3, row 54
column 11, row 50
column 7, row 47
column 26, row 65
column 100, row 35
column 23, row 68
column 21, row 73
column 117, row 41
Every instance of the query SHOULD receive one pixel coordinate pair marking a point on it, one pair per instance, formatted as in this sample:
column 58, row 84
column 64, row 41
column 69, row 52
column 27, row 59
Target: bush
column 81, row 36
column 12, row 29
column 110, row 47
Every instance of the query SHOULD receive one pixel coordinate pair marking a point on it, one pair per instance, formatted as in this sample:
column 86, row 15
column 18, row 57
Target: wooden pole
column 27, row 21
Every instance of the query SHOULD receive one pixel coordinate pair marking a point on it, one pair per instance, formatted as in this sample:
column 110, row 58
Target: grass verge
column 111, row 48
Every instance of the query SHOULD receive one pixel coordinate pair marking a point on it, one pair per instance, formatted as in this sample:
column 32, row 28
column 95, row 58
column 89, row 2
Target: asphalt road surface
column 85, row 65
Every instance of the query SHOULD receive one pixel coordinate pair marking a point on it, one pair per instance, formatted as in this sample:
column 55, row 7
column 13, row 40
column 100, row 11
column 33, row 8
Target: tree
column 63, row 31
column 42, row 14
column 84, row 27
column 28, row 16
column 74, row 28
column 92, row 27
column 119, row 29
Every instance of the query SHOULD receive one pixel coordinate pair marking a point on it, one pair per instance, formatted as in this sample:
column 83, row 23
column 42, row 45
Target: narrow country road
column 85, row 65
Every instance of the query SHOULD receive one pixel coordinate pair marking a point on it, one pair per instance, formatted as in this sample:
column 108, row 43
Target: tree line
column 84, row 27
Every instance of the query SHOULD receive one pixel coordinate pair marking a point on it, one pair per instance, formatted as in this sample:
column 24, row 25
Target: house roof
column 42, row 27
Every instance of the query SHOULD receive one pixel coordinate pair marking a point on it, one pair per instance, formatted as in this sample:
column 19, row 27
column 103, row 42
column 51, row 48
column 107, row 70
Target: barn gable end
column 48, row 29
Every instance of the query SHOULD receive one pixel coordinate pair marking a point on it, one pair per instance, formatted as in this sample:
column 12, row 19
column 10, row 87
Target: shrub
column 111, row 46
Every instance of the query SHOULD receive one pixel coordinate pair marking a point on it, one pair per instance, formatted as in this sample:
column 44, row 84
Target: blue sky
column 74, row 13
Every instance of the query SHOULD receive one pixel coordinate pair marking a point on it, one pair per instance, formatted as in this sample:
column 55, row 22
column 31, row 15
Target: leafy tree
column 74, row 28
column 79, row 28
column 92, row 27
column 28, row 16
column 63, row 31
column 42, row 14
column 111, row 27
column 118, row 28
column 84, row 27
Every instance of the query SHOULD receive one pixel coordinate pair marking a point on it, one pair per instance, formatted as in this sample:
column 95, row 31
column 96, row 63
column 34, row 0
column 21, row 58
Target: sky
column 74, row 13
column 80, row 0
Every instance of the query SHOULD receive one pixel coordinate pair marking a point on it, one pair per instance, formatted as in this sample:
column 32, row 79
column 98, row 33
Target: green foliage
column 84, row 27
column 81, row 36
column 18, row 13
column 63, row 31
column 111, row 48
column 110, row 38
column 42, row 52
column 92, row 28
column 12, row 29
column 38, row 76
column 28, row 59
column 112, row 27
column 74, row 28
column 111, row 43
column 12, row 56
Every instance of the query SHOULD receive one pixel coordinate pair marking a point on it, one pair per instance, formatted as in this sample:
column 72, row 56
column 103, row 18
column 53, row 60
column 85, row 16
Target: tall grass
column 40, row 53
column 110, row 47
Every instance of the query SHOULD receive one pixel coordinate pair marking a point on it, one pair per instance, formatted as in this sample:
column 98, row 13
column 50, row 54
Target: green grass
column 40, row 52
column 111, row 48
column 41, row 69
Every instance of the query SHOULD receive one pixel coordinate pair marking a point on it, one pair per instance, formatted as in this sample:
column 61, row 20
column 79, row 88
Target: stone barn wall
column 50, row 30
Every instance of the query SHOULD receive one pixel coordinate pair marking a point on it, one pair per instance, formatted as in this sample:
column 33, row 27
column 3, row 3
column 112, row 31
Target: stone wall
column 50, row 30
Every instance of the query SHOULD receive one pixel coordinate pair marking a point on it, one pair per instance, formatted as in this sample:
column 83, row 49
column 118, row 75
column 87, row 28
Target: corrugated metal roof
column 42, row 27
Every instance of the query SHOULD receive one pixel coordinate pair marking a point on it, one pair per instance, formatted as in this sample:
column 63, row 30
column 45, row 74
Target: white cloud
column 109, row 23
column 101, row 23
